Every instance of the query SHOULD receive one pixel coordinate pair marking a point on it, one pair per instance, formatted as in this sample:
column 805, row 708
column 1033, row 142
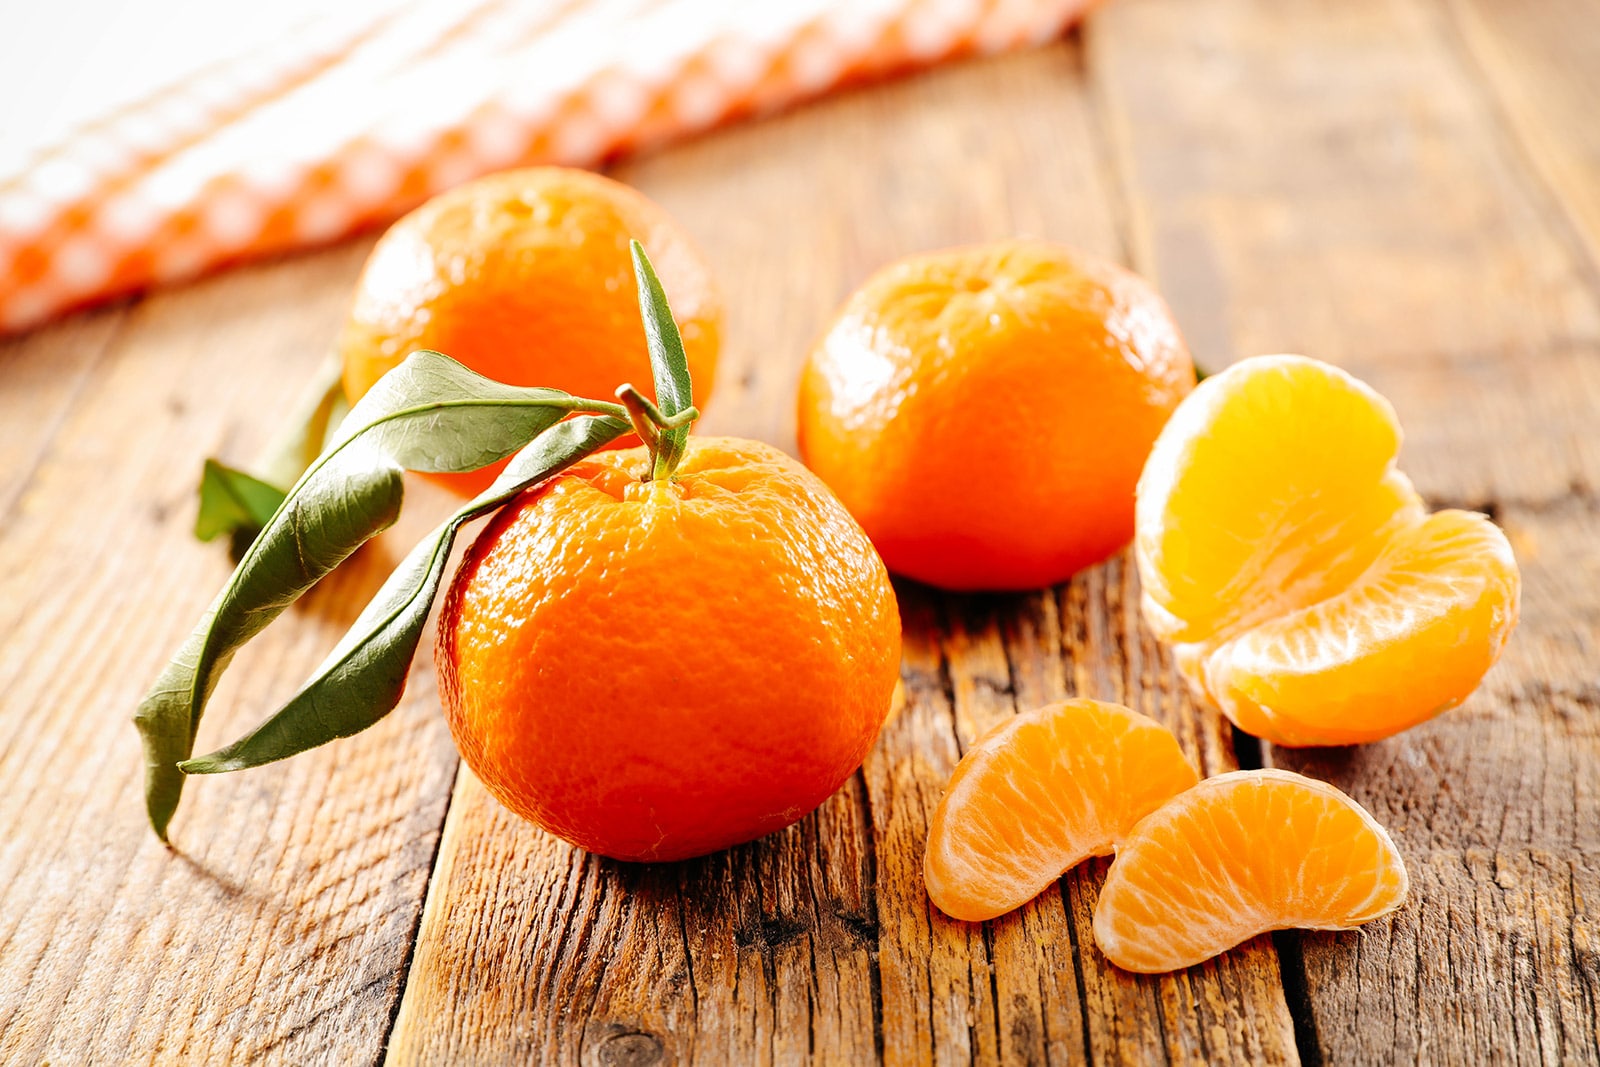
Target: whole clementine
column 525, row 277
column 984, row 412
column 659, row 669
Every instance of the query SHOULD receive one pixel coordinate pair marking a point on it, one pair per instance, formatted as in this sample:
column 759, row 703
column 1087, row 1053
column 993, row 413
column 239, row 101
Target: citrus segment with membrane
column 1407, row 640
column 1039, row 794
column 1239, row 855
column 1307, row 591
column 1271, row 461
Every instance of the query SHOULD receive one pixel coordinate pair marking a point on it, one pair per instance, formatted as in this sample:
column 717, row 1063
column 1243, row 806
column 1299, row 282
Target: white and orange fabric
column 345, row 125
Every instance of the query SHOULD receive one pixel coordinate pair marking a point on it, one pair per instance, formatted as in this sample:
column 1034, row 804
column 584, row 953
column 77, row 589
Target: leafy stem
column 652, row 426
column 428, row 414
column 669, row 366
column 364, row 676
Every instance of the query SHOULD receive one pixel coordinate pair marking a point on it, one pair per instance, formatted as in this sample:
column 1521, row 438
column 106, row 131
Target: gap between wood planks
column 416, row 924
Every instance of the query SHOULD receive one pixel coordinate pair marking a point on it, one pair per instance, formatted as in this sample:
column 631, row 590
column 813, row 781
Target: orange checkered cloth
column 345, row 125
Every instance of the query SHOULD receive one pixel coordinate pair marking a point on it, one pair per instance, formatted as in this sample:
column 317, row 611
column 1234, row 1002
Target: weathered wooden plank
column 278, row 927
column 43, row 374
column 996, row 656
column 1541, row 60
column 1331, row 179
column 1323, row 178
column 820, row 940
column 1495, row 808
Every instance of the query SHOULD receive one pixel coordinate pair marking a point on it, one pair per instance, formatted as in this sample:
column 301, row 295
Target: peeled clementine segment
column 1039, row 794
column 1268, row 469
column 1405, row 641
column 1308, row 593
column 1236, row 856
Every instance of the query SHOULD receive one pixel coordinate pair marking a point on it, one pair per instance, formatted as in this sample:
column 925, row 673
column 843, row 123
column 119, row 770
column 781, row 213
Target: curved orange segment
column 1411, row 638
column 1239, row 855
column 1266, row 486
column 1039, row 794
column 1306, row 591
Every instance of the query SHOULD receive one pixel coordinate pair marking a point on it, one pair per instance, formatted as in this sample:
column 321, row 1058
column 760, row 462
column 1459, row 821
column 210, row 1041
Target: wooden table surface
column 1408, row 188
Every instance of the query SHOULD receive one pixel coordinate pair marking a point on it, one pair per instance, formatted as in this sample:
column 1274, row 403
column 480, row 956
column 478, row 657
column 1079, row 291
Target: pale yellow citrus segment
column 1039, row 794
column 1271, row 481
column 1304, row 588
column 1410, row 638
column 1191, row 660
column 1236, row 856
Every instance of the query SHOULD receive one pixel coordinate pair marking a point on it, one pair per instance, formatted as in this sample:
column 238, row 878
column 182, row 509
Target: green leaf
column 433, row 414
column 364, row 677
column 237, row 503
column 233, row 500
column 668, row 363
column 309, row 429
column 430, row 413
column 331, row 513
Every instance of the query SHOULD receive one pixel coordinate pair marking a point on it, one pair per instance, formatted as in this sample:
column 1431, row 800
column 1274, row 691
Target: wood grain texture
column 279, row 927
column 1326, row 179
column 974, row 661
column 1333, row 179
column 820, row 941
column 1404, row 187
column 44, row 374
column 1538, row 60
column 1497, row 958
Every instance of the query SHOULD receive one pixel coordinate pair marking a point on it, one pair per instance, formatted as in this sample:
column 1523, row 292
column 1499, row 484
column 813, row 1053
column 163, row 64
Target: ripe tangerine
column 525, row 277
column 654, row 670
column 984, row 412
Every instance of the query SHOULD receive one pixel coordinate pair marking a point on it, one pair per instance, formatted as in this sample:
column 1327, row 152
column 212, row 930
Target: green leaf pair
column 428, row 414
column 364, row 676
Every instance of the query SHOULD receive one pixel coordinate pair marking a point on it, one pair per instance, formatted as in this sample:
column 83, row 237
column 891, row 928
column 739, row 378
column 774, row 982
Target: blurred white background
column 66, row 61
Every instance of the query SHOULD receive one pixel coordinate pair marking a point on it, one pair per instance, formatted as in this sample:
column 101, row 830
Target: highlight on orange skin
column 984, row 412
column 1039, row 794
column 1307, row 592
column 653, row 670
column 525, row 277
column 1239, row 855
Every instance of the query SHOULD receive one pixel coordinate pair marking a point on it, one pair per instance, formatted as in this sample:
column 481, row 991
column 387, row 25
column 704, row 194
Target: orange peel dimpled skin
column 660, row 669
column 525, row 277
column 984, row 412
